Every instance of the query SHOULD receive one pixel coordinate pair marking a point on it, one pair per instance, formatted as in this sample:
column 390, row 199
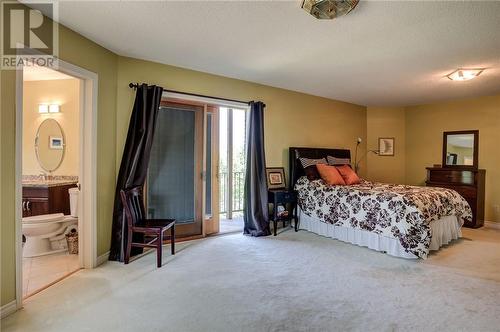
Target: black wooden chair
column 137, row 223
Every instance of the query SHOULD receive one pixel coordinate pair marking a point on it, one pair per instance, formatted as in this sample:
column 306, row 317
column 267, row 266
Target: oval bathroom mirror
column 49, row 145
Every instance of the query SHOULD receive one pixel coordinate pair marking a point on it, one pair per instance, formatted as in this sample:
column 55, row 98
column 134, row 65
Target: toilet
column 45, row 234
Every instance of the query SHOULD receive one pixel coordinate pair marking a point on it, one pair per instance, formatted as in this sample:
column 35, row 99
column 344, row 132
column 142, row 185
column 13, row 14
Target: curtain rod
column 135, row 85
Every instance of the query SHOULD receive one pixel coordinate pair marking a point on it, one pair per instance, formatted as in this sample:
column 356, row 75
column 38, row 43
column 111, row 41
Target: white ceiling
column 36, row 73
column 382, row 53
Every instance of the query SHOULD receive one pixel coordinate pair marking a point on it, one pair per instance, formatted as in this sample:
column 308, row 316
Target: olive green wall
column 82, row 52
column 386, row 122
column 8, row 115
column 425, row 125
column 291, row 118
column 86, row 54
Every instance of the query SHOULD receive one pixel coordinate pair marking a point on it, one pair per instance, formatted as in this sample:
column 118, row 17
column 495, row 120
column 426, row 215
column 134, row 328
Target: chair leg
column 172, row 239
column 159, row 246
column 129, row 247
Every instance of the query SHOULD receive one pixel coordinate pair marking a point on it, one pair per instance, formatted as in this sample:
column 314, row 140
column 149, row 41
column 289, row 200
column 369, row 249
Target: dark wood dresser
column 467, row 182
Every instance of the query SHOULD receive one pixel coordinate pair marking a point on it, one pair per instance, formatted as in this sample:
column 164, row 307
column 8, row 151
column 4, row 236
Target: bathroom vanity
column 44, row 197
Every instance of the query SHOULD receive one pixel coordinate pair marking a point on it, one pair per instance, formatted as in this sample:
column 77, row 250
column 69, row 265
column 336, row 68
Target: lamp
column 328, row 9
column 356, row 161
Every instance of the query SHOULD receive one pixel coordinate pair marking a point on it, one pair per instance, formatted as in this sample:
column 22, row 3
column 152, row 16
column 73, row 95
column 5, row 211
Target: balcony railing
column 238, row 188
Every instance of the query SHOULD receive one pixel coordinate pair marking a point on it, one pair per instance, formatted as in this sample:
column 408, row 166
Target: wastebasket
column 72, row 240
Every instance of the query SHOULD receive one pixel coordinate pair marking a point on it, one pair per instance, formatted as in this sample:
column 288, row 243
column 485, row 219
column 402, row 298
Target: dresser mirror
column 49, row 145
column 460, row 149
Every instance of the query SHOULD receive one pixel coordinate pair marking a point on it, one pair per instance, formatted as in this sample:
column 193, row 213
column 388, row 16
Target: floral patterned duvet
column 396, row 211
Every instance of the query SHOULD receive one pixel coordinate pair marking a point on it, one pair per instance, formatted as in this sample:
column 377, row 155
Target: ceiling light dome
column 328, row 9
column 464, row 74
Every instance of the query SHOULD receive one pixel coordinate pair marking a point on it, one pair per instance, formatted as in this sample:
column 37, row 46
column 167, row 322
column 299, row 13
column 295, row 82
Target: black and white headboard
column 295, row 168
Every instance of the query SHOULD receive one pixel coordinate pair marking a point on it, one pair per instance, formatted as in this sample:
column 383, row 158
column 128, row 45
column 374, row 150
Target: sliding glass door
column 174, row 187
column 232, row 161
column 182, row 179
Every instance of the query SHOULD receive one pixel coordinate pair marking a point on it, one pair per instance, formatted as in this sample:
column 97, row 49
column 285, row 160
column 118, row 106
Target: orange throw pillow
column 348, row 174
column 330, row 175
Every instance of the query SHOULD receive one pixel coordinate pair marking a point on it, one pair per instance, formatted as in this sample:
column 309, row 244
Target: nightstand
column 287, row 198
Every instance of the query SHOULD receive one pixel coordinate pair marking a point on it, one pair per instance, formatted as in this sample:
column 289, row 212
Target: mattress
column 399, row 212
column 443, row 231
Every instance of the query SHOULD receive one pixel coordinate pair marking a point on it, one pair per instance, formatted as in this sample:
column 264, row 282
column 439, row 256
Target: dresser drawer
column 466, row 192
column 451, row 176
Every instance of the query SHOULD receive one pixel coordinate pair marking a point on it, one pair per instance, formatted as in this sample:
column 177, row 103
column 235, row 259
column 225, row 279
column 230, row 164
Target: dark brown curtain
column 255, row 209
column 135, row 160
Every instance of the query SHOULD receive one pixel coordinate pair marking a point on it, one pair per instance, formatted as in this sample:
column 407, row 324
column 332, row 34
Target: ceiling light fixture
column 464, row 74
column 328, row 9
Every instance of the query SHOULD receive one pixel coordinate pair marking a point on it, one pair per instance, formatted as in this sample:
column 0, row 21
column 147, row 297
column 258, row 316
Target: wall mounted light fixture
column 43, row 108
column 54, row 108
column 356, row 161
column 49, row 108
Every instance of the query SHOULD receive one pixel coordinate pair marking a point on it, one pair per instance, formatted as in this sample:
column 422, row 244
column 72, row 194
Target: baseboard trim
column 492, row 224
column 102, row 259
column 8, row 309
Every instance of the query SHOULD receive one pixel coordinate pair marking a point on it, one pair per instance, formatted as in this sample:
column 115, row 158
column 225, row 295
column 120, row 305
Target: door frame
column 205, row 101
column 87, row 173
column 211, row 224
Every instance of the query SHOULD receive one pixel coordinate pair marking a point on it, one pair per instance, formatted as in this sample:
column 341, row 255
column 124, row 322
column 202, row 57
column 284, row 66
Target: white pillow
column 306, row 162
column 333, row 161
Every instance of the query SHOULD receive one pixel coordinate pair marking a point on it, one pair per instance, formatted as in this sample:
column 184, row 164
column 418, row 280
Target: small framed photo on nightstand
column 275, row 178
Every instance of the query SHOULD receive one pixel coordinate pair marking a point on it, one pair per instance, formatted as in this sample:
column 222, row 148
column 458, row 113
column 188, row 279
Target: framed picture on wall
column 386, row 146
column 275, row 178
column 55, row 143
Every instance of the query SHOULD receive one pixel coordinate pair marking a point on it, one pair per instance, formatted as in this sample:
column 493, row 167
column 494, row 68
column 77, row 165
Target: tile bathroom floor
column 39, row 272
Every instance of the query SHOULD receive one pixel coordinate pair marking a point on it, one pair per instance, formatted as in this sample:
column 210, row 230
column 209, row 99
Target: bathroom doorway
column 50, row 169
column 55, row 175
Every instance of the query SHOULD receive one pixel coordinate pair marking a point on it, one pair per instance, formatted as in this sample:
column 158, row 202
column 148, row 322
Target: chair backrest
column 133, row 204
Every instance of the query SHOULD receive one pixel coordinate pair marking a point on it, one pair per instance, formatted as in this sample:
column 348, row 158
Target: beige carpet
column 231, row 225
column 292, row 282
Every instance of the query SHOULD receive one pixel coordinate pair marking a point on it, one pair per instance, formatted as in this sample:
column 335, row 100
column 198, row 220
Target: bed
column 403, row 221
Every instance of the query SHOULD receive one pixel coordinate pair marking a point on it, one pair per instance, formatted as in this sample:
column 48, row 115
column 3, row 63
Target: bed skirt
column 443, row 231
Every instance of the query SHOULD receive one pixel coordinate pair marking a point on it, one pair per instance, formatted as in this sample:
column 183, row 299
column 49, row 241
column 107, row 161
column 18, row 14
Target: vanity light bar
column 46, row 108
